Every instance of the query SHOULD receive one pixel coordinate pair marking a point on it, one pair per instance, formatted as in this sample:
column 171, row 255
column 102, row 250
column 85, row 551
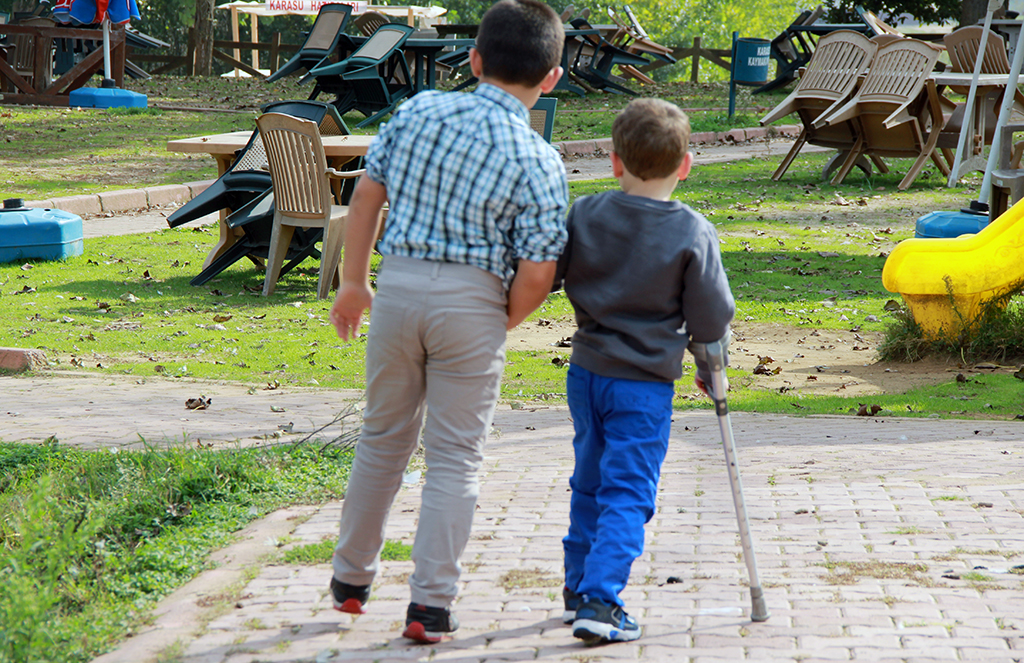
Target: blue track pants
column 622, row 428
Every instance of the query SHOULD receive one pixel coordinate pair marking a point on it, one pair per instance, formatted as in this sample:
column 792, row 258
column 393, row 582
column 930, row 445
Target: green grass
column 90, row 540
column 793, row 256
column 53, row 152
column 321, row 552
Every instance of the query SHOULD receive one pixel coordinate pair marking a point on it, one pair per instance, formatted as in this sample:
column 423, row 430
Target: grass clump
column 528, row 578
column 850, row 573
column 90, row 540
column 996, row 334
column 320, row 553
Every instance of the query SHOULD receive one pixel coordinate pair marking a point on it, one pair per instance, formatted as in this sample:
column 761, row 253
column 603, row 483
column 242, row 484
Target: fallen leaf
column 222, row 317
column 200, row 403
column 762, row 369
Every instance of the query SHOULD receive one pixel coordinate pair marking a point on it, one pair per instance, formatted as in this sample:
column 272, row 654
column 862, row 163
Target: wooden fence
column 720, row 57
column 228, row 52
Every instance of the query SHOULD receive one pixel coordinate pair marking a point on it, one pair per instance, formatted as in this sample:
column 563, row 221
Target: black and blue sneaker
column 598, row 622
column 572, row 602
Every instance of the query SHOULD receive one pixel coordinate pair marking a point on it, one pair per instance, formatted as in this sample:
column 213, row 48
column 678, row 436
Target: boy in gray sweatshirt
column 644, row 276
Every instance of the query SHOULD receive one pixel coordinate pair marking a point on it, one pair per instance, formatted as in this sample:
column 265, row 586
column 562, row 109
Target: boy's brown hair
column 651, row 137
column 520, row 41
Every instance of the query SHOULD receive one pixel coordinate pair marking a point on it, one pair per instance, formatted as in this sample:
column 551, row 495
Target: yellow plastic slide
column 945, row 282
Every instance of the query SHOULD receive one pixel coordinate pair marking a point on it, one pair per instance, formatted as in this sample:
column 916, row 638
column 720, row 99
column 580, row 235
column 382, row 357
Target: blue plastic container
column 949, row 224
column 48, row 234
column 101, row 97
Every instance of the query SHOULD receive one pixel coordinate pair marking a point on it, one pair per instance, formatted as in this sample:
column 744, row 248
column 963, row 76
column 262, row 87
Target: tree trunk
column 973, row 11
column 202, row 57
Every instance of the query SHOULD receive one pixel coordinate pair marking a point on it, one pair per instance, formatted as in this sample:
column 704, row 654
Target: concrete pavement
column 879, row 539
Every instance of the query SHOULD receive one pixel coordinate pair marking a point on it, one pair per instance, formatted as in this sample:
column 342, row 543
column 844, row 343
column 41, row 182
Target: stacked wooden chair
column 596, row 57
column 896, row 112
column 373, row 79
column 321, row 42
column 830, row 80
column 302, row 196
column 632, row 38
column 963, row 46
column 791, row 50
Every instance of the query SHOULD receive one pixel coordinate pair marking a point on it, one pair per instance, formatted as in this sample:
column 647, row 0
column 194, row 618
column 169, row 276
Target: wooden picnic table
column 43, row 90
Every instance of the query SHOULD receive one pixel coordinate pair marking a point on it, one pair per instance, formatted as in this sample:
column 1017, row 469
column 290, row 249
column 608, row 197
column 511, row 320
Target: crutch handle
column 715, row 354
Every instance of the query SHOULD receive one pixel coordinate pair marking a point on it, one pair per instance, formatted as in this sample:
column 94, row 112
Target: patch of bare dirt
column 794, row 359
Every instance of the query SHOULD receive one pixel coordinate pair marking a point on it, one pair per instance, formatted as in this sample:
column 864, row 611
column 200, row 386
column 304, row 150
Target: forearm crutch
column 715, row 354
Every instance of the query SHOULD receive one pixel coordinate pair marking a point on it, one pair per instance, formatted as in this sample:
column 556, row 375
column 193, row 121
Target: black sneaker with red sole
column 349, row 598
column 428, row 625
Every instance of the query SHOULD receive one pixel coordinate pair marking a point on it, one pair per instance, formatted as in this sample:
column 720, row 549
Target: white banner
column 311, row 6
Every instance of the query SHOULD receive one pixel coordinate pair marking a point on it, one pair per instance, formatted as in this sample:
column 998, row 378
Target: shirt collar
column 494, row 93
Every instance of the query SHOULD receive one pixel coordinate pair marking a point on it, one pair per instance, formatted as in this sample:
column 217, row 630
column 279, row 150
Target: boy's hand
column 530, row 287
column 347, row 311
column 705, row 387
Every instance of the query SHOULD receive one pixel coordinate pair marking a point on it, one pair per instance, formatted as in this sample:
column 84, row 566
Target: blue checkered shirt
column 470, row 182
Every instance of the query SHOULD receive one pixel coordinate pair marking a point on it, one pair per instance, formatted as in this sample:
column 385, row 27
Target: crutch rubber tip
column 759, row 609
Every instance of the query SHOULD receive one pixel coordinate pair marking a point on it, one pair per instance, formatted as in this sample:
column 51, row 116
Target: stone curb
column 129, row 200
column 578, row 148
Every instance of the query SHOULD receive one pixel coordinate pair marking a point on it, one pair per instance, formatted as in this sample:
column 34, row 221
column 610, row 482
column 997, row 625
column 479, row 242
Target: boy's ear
column 476, row 65
column 551, row 80
column 617, row 168
column 685, row 166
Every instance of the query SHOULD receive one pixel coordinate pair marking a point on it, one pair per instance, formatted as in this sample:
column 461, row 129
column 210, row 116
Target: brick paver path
column 878, row 539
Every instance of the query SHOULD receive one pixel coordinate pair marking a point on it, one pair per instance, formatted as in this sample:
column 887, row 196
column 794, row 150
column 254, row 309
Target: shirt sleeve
column 540, row 228
column 377, row 155
column 564, row 259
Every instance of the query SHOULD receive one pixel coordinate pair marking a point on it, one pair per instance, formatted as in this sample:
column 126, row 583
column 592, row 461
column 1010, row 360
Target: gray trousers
column 436, row 341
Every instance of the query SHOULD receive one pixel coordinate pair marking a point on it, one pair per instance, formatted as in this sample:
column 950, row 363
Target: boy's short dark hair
column 651, row 137
column 520, row 41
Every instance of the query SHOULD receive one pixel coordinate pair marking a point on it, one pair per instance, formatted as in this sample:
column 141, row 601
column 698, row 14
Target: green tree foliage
column 925, row 11
column 674, row 22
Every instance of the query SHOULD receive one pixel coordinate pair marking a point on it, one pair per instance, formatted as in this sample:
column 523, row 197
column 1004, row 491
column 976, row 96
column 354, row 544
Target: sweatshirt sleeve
column 707, row 302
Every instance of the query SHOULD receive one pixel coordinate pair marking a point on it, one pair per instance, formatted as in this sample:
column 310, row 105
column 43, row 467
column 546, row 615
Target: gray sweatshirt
column 644, row 276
